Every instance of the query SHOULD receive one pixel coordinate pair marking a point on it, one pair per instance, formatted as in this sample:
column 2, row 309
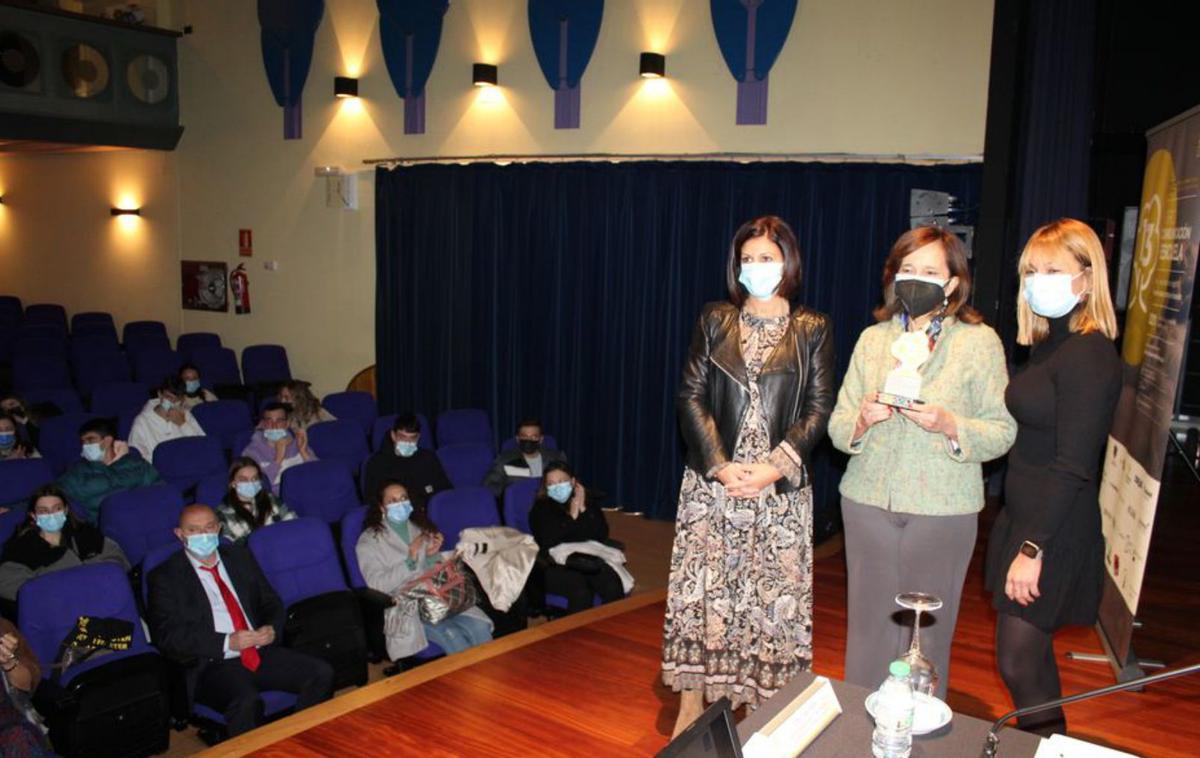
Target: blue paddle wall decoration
column 564, row 34
column 288, row 30
column 751, row 34
column 410, row 32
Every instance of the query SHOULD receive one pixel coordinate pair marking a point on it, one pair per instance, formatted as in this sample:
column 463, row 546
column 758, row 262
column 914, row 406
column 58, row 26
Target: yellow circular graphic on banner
column 1151, row 261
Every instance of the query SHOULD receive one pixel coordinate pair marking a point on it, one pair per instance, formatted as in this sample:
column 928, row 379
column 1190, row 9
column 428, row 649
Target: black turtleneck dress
column 1063, row 400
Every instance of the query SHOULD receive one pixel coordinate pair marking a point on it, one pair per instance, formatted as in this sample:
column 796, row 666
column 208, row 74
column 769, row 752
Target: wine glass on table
column 923, row 675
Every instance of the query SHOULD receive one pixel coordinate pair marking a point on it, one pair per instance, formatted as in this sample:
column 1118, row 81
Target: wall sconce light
column 126, row 211
column 345, row 86
column 485, row 75
column 652, row 66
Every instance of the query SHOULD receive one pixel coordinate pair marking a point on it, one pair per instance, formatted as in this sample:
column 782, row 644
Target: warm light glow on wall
column 353, row 33
column 490, row 22
column 655, row 89
column 350, row 106
column 658, row 19
column 489, row 97
column 127, row 223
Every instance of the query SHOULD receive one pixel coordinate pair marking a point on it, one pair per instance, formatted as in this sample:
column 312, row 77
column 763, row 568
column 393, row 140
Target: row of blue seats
column 13, row 313
column 92, row 363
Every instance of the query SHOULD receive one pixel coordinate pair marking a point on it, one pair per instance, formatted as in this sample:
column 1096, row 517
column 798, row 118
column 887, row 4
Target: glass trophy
column 902, row 387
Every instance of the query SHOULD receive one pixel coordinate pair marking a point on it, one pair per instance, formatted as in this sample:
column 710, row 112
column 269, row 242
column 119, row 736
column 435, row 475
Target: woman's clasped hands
column 747, row 479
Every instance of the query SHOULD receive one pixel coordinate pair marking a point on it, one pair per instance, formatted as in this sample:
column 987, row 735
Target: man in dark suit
column 212, row 609
column 528, row 460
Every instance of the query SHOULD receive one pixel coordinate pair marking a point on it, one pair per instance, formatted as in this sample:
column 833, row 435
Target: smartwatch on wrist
column 1031, row 550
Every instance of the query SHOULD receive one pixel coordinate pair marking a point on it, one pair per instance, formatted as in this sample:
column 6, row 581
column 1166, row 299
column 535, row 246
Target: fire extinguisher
column 240, row 284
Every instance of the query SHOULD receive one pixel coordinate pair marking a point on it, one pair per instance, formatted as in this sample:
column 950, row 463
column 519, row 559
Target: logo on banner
column 1152, row 262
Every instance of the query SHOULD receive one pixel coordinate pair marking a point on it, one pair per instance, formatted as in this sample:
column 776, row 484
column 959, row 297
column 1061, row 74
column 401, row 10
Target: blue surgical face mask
column 1050, row 295
column 274, row 435
column 93, row 452
column 761, row 279
column 7, row 440
column 560, row 492
column 248, row 490
column 202, row 545
column 192, row 386
column 52, row 522
column 406, row 449
column 399, row 511
column 166, row 404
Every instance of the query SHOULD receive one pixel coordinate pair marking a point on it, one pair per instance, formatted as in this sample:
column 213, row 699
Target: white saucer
column 930, row 715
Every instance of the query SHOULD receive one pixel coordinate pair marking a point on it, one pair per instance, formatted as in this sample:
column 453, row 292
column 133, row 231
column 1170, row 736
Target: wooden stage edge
column 276, row 731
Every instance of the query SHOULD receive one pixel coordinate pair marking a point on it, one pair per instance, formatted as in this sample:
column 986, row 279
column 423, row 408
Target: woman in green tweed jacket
column 914, row 485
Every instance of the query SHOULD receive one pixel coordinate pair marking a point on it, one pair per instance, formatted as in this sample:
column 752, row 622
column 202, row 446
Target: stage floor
column 589, row 684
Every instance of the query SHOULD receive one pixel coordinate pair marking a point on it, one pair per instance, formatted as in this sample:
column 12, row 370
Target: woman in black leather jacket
column 755, row 398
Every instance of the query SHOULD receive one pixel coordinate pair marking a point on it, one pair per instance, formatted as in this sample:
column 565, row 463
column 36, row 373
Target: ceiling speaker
column 19, row 60
column 148, row 78
column 85, row 70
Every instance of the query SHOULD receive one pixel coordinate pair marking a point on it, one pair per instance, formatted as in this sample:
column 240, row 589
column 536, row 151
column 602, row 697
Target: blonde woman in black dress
column 1045, row 562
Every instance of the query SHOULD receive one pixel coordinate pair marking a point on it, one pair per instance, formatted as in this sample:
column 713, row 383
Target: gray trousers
column 889, row 553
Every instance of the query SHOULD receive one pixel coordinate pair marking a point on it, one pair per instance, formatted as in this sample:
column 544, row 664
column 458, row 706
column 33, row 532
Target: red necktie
column 250, row 656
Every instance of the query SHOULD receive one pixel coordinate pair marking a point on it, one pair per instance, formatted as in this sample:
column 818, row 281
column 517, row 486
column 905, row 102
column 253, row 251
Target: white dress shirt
column 222, row 621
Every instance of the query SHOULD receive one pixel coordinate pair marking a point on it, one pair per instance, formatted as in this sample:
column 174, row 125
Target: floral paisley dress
column 739, row 601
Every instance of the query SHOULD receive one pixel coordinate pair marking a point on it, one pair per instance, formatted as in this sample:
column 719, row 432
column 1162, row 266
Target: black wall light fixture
column 485, row 75
column 652, row 66
column 345, row 86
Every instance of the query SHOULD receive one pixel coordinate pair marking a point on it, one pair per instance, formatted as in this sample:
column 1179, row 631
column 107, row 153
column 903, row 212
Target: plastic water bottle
column 894, row 707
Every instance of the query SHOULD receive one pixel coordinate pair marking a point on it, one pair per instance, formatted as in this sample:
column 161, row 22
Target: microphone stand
column 993, row 741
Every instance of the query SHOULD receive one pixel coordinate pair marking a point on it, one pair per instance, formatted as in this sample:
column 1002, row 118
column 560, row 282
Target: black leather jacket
column 796, row 385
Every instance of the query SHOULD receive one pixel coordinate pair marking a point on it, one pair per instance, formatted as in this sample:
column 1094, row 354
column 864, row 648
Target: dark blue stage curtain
column 569, row 291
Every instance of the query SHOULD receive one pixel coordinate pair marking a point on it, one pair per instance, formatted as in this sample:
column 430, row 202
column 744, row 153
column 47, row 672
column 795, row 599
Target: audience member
column 275, row 447
column 529, row 460
column 306, row 410
column 399, row 543
column 108, row 466
column 561, row 514
column 12, row 446
column 212, row 609
column 247, row 504
column 164, row 418
column 18, row 410
column 52, row 539
column 193, row 393
column 400, row 459
column 20, row 726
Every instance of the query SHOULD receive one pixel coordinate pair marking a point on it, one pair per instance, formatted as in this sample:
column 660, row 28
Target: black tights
column 1025, row 656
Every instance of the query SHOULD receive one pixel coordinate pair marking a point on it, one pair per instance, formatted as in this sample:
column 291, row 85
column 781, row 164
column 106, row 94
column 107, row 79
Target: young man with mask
column 164, row 418
column 212, row 609
column 108, row 466
column 401, row 459
column 275, row 446
column 529, row 460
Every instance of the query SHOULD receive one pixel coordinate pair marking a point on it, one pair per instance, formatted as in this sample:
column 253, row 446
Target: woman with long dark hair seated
column 52, row 539
column 561, row 514
column 248, row 503
column 399, row 543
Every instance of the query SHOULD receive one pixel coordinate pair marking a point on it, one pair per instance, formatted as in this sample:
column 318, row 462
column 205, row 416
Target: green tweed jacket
column 899, row 466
